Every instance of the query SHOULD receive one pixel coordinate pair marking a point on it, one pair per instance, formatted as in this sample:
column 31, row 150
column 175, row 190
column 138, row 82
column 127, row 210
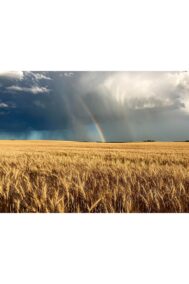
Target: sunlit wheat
column 52, row 176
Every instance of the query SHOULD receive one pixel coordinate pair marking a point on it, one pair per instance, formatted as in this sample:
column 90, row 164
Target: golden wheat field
column 56, row 176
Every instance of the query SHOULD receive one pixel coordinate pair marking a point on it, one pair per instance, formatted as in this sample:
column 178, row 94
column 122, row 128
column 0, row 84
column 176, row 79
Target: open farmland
column 56, row 176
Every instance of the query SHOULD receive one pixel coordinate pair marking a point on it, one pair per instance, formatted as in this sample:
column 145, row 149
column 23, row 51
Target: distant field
column 54, row 176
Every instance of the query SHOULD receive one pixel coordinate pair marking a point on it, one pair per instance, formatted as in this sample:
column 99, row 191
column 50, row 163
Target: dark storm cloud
column 94, row 105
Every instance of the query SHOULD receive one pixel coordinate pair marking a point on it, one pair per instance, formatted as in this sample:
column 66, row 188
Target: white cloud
column 33, row 90
column 19, row 75
column 68, row 74
column 40, row 76
column 3, row 105
column 149, row 89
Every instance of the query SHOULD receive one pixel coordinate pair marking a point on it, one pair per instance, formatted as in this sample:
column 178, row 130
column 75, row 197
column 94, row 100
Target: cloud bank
column 100, row 106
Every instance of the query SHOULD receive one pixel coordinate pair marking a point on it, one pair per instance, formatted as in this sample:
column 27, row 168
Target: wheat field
column 56, row 176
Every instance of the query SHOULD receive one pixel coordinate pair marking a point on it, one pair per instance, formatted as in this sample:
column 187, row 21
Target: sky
column 94, row 106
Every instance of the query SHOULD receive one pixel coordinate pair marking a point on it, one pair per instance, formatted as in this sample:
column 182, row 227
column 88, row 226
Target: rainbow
column 97, row 125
